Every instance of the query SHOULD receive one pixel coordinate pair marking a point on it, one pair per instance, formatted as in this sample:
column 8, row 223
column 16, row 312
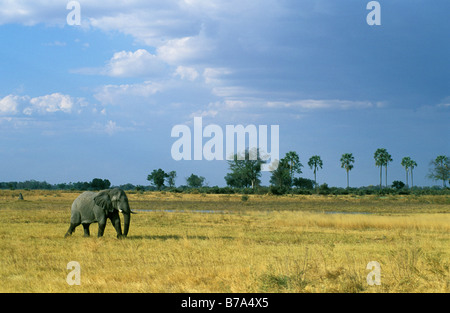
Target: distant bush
column 397, row 184
column 277, row 190
column 323, row 189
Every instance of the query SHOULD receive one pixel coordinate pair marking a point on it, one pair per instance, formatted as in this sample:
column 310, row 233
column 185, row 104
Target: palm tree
column 406, row 163
column 387, row 159
column 346, row 162
column 382, row 158
column 315, row 163
column 412, row 165
column 379, row 161
column 293, row 161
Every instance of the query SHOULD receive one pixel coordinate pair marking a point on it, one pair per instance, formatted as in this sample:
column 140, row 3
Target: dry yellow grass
column 265, row 244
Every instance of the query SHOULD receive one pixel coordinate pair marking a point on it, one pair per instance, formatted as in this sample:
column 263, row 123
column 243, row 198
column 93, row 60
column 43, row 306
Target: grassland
column 227, row 243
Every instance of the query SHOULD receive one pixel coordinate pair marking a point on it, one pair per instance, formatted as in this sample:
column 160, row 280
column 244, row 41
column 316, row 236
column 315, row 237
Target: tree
column 347, row 161
column 303, row 183
column 315, row 163
column 409, row 164
column 412, row 165
column 293, row 161
column 406, row 163
column 441, row 169
column 378, row 156
column 100, row 184
column 245, row 169
column 397, row 184
column 157, row 178
column 382, row 158
column 171, row 178
column 195, row 181
column 387, row 160
column 281, row 177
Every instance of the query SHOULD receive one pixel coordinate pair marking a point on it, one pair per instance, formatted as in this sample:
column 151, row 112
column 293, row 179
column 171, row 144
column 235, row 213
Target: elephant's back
column 82, row 207
column 87, row 195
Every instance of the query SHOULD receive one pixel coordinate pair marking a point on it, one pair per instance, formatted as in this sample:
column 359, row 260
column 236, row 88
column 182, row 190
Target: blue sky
column 100, row 99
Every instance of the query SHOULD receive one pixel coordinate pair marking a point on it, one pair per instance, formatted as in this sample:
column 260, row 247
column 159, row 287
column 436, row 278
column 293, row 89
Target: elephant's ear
column 104, row 201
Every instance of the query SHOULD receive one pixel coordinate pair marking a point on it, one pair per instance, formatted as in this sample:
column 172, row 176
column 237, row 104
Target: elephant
column 96, row 207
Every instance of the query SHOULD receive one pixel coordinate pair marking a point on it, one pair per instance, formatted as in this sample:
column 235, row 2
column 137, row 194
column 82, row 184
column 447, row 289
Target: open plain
column 230, row 243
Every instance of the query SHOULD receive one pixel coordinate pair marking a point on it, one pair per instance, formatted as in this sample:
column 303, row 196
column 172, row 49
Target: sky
column 99, row 99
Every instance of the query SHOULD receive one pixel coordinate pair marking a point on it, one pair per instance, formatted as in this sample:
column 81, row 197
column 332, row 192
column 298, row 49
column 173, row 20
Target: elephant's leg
column 75, row 220
column 86, row 230
column 70, row 230
column 115, row 220
column 101, row 228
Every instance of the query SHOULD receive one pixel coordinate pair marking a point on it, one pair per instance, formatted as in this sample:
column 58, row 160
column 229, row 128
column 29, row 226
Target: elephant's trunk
column 126, row 223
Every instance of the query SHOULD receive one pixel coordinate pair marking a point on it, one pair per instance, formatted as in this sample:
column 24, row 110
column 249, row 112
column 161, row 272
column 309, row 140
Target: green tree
column 281, row 176
column 347, row 161
column 245, row 169
column 387, row 160
column 397, row 184
column 293, row 161
column 195, row 181
column 315, row 163
column 157, row 178
column 412, row 165
column 409, row 165
column 441, row 169
column 406, row 163
column 303, row 183
column 382, row 158
column 378, row 156
column 171, row 178
column 100, row 184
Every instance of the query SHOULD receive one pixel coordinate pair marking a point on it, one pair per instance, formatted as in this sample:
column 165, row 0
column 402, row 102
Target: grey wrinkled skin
column 97, row 207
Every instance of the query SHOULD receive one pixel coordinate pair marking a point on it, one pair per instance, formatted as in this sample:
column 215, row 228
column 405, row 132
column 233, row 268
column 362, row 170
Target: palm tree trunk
column 406, row 178
column 412, row 180
column 381, row 169
column 347, row 179
column 386, row 175
column 315, row 180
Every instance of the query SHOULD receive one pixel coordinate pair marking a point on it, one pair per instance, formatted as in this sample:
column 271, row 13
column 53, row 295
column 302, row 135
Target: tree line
column 245, row 172
column 95, row 184
column 244, row 176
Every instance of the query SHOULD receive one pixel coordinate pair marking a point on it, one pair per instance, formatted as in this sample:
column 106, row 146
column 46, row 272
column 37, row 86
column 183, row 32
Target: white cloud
column 140, row 63
column 113, row 94
column 30, row 12
column 204, row 113
column 187, row 49
column 50, row 104
column 9, row 104
column 188, row 73
column 47, row 104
